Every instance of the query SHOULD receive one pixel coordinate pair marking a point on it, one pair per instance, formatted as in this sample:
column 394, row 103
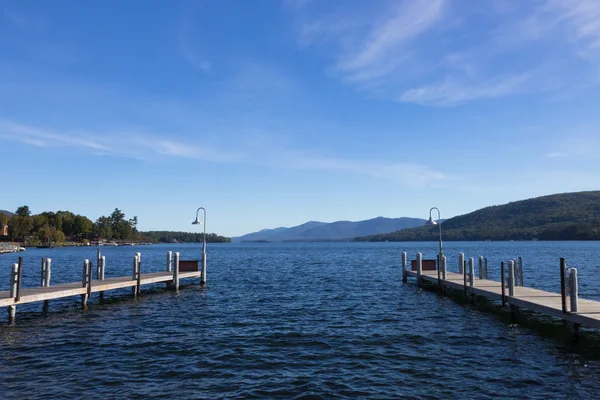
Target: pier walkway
column 175, row 271
column 565, row 305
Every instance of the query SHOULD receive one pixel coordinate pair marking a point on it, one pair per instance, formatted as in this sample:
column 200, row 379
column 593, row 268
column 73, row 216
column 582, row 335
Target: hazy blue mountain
column 8, row 213
column 314, row 230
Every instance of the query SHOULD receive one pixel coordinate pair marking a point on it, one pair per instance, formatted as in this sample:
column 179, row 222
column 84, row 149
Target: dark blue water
column 298, row 321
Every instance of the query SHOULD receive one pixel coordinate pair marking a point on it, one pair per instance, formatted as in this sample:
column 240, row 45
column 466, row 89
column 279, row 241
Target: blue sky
column 273, row 113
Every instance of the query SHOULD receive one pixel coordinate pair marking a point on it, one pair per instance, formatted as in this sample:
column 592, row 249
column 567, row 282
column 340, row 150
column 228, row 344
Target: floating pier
column 175, row 270
column 510, row 290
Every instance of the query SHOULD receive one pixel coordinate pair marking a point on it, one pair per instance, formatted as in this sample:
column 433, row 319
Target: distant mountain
column 565, row 216
column 315, row 231
column 8, row 213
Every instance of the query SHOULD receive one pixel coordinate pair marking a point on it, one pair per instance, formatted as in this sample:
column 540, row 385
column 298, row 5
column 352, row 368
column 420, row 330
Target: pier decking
column 565, row 305
column 175, row 271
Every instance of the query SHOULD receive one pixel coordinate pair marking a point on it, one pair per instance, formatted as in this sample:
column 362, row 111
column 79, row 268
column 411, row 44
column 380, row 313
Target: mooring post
column 14, row 276
column 444, row 267
column 574, row 294
column 480, row 267
column 502, row 283
column 419, row 268
column 511, row 278
column 169, row 261
column 84, row 283
column 485, row 267
column 521, row 271
column 176, row 271
column 464, row 269
column 98, row 264
column 139, row 274
column 134, row 275
column 47, row 276
column 574, row 291
column 19, row 280
column 101, row 269
column 404, row 273
column 471, row 272
column 43, row 272
column 461, row 262
column 563, row 285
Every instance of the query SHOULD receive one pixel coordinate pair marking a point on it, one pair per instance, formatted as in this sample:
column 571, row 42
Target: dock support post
column 47, row 273
column 14, row 276
column 563, row 285
column 404, row 274
column 101, row 268
column 471, row 272
column 511, row 278
column 134, row 275
column 464, row 270
column 176, row 271
column 43, row 272
column 574, row 291
column 485, row 267
column 521, row 271
column 444, row 267
column 84, row 282
column 419, row 268
column 169, row 261
column 480, row 267
column 502, row 283
column 439, row 269
column 461, row 262
column 139, row 275
column 19, row 280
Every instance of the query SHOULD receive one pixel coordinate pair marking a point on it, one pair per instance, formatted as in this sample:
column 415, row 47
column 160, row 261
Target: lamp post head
column 197, row 221
column 431, row 221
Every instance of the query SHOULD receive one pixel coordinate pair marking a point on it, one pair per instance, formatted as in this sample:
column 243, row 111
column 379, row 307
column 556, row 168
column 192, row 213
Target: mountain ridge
column 561, row 216
column 337, row 230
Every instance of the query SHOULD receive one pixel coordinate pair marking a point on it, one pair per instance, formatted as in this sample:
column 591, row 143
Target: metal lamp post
column 432, row 222
column 198, row 222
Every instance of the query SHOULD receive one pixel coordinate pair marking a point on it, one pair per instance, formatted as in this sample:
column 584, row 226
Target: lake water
column 298, row 320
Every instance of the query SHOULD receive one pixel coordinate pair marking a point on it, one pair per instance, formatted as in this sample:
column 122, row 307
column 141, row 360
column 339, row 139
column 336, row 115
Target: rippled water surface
column 318, row 320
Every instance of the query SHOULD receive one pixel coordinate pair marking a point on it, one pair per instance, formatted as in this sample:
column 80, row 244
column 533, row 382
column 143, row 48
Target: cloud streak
column 442, row 53
column 146, row 146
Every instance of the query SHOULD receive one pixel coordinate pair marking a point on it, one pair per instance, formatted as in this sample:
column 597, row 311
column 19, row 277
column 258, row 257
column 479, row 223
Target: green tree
column 23, row 211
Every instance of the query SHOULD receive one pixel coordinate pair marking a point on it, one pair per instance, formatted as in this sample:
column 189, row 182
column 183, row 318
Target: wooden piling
column 471, row 272
column 461, row 262
column 404, row 275
column 439, row 267
column 139, row 275
column 169, row 261
column 563, row 285
column 47, row 275
column 19, row 280
column 43, row 272
column 134, row 275
column 176, row 271
column 502, row 283
column 485, row 268
column 574, row 290
column 84, row 283
column 464, row 269
column 444, row 268
column 419, row 268
column 480, row 267
column 14, row 276
column 102, row 269
column 522, row 283
column 511, row 278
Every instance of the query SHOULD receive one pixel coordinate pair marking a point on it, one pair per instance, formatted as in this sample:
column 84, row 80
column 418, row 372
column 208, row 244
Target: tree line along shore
column 66, row 228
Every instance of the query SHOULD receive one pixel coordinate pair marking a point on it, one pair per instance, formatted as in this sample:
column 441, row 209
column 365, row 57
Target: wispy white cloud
column 443, row 53
column 258, row 153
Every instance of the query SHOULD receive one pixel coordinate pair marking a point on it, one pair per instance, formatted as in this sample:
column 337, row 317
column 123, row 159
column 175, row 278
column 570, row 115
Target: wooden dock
column 565, row 305
column 175, row 270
